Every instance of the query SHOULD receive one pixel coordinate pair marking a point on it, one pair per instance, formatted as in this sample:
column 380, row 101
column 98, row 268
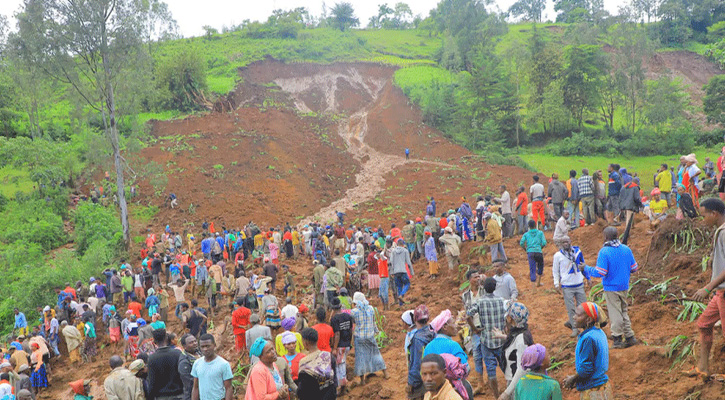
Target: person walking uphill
column 533, row 242
column 431, row 255
column 537, row 202
column 713, row 210
column 615, row 264
column 494, row 238
column 591, row 355
column 399, row 264
column 452, row 245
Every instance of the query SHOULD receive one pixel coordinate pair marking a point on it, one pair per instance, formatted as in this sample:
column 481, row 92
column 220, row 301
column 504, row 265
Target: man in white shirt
column 569, row 280
column 537, row 203
column 505, row 201
column 561, row 230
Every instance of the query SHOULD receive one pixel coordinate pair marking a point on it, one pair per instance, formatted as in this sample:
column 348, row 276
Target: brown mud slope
column 307, row 140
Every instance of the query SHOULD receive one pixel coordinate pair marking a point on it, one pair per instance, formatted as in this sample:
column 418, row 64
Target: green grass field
column 644, row 166
column 14, row 180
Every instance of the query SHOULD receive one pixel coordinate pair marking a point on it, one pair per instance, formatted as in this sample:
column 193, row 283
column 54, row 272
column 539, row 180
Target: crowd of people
column 242, row 276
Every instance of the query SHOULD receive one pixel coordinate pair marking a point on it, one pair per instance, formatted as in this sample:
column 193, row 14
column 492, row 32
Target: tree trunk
column 113, row 137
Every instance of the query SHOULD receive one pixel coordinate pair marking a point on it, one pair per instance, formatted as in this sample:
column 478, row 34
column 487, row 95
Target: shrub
column 95, row 223
column 182, row 81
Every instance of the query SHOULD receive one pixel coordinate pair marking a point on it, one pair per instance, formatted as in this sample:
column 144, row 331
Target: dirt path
column 370, row 179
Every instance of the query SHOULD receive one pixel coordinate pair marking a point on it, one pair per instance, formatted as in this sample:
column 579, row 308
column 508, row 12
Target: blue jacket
column 206, row 245
column 443, row 344
column 420, row 339
column 615, row 265
column 20, row 321
column 220, row 240
column 533, row 240
column 592, row 359
column 615, row 183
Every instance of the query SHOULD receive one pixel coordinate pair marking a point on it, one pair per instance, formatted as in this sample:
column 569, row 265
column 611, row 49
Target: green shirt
column 335, row 280
column 419, row 232
column 535, row 386
column 127, row 282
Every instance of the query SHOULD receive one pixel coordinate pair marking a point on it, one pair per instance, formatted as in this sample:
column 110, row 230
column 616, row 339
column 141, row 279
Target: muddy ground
column 305, row 140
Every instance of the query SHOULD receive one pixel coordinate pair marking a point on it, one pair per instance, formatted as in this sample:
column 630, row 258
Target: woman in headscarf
column 445, row 328
column 518, row 338
column 265, row 381
column 152, row 303
column 591, row 356
column 368, row 359
column 316, row 378
column 456, row 373
column 81, row 389
column 288, row 324
column 89, row 343
column 289, row 364
column 686, row 204
column 157, row 323
column 39, row 376
column 535, row 384
column 410, row 328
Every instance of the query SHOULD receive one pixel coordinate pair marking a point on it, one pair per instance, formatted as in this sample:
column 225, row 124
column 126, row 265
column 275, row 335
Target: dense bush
column 181, row 80
column 96, row 224
column 32, row 221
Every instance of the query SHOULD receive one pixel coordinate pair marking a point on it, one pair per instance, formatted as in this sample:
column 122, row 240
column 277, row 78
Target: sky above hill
column 191, row 15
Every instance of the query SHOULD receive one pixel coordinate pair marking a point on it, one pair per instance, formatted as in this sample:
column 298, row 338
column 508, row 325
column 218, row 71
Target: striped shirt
column 364, row 322
column 586, row 186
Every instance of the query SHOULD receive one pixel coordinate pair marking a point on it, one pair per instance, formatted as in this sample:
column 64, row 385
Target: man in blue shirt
column 592, row 354
column 615, row 185
column 615, row 264
column 21, row 323
column 206, row 243
column 212, row 374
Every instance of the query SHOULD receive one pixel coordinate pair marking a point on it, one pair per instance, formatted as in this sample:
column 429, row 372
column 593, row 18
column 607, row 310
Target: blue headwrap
column 257, row 347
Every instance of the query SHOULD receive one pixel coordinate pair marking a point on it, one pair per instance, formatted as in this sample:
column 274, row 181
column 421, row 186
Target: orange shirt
column 522, row 202
column 135, row 307
column 240, row 320
column 324, row 335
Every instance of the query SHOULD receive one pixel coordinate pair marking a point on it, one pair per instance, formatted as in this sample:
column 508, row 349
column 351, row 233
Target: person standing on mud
column 537, row 202
column 569, row 281
column 615, row 264
column 407, row 153
column 558, row 193
column 713, row 210
column 592, row 355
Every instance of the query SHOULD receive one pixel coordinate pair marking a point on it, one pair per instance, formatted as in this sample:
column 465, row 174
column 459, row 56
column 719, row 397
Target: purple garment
column 430, row 250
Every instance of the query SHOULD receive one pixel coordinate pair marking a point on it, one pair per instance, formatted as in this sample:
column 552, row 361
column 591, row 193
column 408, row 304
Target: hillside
column 307, row 140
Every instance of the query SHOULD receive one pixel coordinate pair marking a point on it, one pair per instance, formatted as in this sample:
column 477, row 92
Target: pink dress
column 273, row 252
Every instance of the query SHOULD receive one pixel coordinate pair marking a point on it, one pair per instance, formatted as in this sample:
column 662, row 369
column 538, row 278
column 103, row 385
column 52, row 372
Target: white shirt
column 289, row 311
column 505, row 201
column 565, row 272
column 562, row 228
column 537, row 191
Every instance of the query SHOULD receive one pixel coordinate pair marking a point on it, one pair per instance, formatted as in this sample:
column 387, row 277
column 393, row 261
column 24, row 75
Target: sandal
column 695, row 372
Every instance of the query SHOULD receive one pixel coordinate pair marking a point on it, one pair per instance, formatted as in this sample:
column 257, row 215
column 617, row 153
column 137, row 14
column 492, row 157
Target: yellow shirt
column 258, row 240
column 658, row 207
column 280, row 347
column 664, row 181
column 295, row 238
